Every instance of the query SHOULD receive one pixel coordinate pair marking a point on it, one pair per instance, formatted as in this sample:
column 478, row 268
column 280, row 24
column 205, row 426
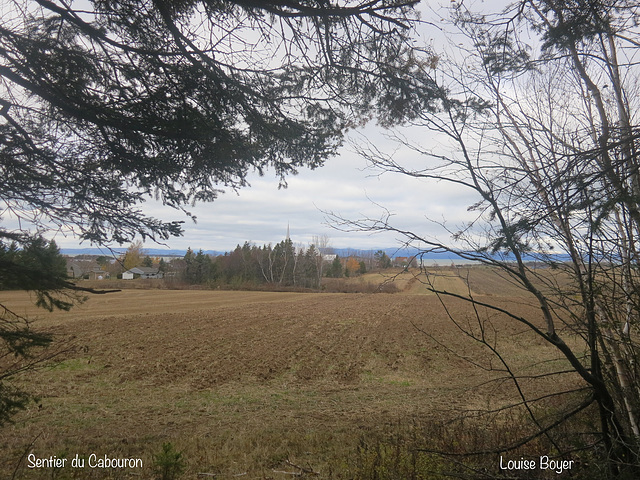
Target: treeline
column 283, row 265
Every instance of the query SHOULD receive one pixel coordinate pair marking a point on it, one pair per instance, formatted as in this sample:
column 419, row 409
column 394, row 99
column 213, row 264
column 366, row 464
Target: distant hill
column 158, row 252
column 342, row 252
column 152, row 252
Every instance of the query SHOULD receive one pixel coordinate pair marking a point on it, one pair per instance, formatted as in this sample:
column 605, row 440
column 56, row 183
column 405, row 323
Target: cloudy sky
column 345, row 186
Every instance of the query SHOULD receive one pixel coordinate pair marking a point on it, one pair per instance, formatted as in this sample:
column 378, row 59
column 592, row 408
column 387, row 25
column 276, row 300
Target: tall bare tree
column 537, row 116
column 323, row 246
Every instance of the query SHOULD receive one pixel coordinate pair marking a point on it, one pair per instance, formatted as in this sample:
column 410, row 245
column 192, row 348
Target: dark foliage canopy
column 38, row 267
column 107, row 102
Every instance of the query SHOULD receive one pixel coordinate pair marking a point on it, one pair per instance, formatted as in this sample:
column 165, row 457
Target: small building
column 98, row 274
column 405, row 262
column 142, row 272
column 85, row 269
column 401, row 261
column 74, row 270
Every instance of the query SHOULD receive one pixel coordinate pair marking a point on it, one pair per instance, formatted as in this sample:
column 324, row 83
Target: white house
column 141, row 272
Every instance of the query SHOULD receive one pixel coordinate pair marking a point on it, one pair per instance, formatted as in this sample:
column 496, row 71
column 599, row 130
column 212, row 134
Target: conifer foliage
column 106, row 103
column 281, row 265
column 38, row 267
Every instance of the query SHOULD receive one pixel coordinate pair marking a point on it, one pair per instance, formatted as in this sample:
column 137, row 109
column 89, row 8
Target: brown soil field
column 258, row 384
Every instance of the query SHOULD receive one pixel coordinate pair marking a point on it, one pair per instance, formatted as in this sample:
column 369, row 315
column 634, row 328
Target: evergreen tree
column 335, row 270
column 311, row 268
column 103, row 262
column 382, row 260
column 105, row 103
column 362, row 268
column 162, row 266
column 189, row 274
column 204, row 268
column 39, row 268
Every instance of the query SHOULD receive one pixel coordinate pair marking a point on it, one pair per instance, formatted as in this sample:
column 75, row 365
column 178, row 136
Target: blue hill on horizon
column 342, row 252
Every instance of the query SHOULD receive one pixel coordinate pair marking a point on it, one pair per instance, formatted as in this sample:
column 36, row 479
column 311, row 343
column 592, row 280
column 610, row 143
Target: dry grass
column 257, row 383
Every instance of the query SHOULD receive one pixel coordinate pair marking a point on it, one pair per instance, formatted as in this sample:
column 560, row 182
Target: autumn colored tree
column 352, row 267
column 134, row 255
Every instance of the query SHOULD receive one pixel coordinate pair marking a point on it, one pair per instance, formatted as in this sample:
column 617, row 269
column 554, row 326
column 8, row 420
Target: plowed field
column 251, row 384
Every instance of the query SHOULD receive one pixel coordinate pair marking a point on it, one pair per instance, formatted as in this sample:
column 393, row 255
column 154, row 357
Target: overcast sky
column 344, row 185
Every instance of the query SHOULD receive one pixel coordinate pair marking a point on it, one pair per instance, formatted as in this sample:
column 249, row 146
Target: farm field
column 259, row 384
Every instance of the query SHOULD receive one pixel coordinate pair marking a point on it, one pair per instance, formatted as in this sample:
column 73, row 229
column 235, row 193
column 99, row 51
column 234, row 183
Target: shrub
column 168, row 464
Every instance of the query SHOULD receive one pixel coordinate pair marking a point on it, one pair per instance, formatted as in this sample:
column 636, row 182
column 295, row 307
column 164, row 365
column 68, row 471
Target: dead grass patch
column 255, row 383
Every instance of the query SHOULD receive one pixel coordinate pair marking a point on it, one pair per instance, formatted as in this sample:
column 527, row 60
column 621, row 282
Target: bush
column 168, row 464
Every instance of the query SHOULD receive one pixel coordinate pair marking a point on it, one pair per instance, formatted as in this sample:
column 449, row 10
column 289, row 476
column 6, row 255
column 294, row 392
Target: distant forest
column 283, row 264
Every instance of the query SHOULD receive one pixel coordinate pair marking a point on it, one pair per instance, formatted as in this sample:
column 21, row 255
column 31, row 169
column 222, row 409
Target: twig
column 302, row 469
column 24, row 454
